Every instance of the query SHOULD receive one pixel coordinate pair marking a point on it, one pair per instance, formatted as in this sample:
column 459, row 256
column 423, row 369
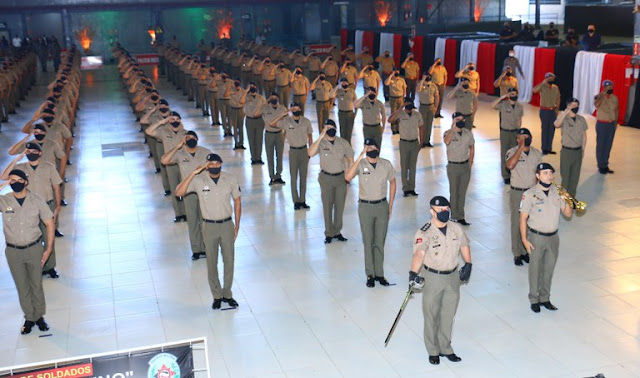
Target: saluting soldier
column 224, row 92
column 331, row 70
column 298, row 132
column 283, row 81
column 606, row 124
column 409, row 122
column 349, row 72
column 215, row 190
column 335, row 155
column 373, row 115
column 373, row 208
column 460, row 152
column 370, row 77
column 301, row 87
column 255, row 124
column 346, row 115
column 397, row 92
column 506, row 81
column 540, row 210
column 429, row 96
column 312, row 63
column 237, row 99
column 522, row 161
column 364, row 57
column 511, row 113
column 386, row 63
column 322, row 90
column 273, row 139
column 436, row 248
column 469, row 72
column 189, row 156
column 549, row 105
column 411, row 73
column 466, row 102
column 212, row 92
column 256, row 69
column 574, row 139
column 22, row 212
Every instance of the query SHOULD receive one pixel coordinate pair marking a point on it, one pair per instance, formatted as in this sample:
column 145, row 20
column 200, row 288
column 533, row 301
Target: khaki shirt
column 246, row 67
column 608, row 109
column 215, row 199
column 510, row 115
column 371, row 112
column 365, row 59
column 440, row 250
column 298, row 60
column 439, row 75
column 42, row 179
column 351, row 55
column 314, row 63
column 187, row 162
column 58, row 132
column 333, row 155
column 269, row 114
column 236, row 97
column 386, row 64
column 222, row 88
column 573, row 131
column 351, row 74
column 543, row 210
column 458, row 149
column 51, row 150
column 549, row 96
column 412, row 70
column 253, row 103
column 21, row 224
column 397, row 87
column 464, row 101
column 507, row 83
column 256, row 68
column 168, row 137
column 373, row 181
column 409, row 124
column 346, row 99
column 523, row 175
column 297, row 133
column 474, row 79
column 322, row 90
column 300, row 85
column 269, row 72
column 283, row 77
column 331, row 68
column 428, row 94
column 371, row 79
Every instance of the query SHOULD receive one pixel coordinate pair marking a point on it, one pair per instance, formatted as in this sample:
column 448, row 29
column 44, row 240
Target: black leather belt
column 378, row 125
column 297, row 148
column 322, row 101
column 426, row 104
column 282, row 86
column 408, row 140
column 235, row 108
column 440, row 271
column 543, row 233
column 373, row 202
column 332, row 174
column 459, row 162
column 395, row 96
column 268, row 81
column 23, row 246
column 346, row 111
column 509, row 131
column 514, row 188
column 572, row 148
column 254, row 117
column 218, row 221
column 273, row 132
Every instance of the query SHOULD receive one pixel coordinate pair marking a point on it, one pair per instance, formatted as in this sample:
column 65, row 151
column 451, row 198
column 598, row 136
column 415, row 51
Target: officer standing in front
column 397, row 92
column 436, row 248
column 411, row 72
column 255, row 124
column 410, row 124
column 466, row 102
column 429, row 96
column 346, row 114
column 460, row 152
column 273, row 139
column 521, row 161
column 511, row 113
column 373, row 115
column 386, row 64
column 540, row 210
column 215, row 189
column 574, row 140
column 606, row 124
column 335, row 155
column 549, row 105
column 373, row 209
column 22, row 212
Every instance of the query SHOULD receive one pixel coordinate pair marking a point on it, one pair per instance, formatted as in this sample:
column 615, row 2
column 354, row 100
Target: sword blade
column 395, row 322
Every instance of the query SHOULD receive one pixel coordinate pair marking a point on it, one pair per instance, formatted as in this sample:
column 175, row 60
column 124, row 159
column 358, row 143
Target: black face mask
column 465, row 86
column 386, row 55
column 47, row 119
column 575, row 110
column 297, row 113
column 610, row 91
column 191, row 143
column 322, row 78
column 591, row 31
column 372, row 96
column 409, row 108
column 17, row 186
column 252, row 90
column 551, row 82
column 396, row 74
column 175, row 124
column 471, row 68
column 345, row 86
column 373, row 154
column 33, row 157
column 273, row 102
column 154, row 98
column 331, row 132
column 527, row 142
column 513, row 98
column 460, row 124
column 298, row 72
column 215, row 171
column 508, row 74
column 439, row 64
column 237, row 85
column 39, row 137
column 545, row 185
column 427, row 79
column 410, row 59
column 443, row 216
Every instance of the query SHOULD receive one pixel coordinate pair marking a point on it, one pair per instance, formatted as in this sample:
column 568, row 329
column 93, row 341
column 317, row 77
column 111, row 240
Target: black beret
column 19, row 173
column 544, row 166
column 214, row 157
column 439, row 201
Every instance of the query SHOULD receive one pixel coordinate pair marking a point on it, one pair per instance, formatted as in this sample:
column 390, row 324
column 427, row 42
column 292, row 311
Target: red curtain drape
column 613, row 69
column 486, row 66
column 450, row 60
column 417, row 50
column 545, row 62
column 367, row 40
column 397, row 49
column 343, row 38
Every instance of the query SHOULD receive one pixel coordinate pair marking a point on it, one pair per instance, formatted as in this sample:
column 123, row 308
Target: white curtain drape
column 386, row 43
column 440, row 45
column 468, row 52
column 587, row 75
column 527, row 57
column 358, row 45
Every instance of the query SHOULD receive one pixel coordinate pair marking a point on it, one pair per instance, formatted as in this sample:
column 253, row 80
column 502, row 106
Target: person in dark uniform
column 436, row 248
column 607, row 110
column 549, row 105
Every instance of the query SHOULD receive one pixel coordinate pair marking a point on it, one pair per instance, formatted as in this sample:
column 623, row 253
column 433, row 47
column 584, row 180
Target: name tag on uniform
column 206, row 189
column 9, row 210
column 186, row 160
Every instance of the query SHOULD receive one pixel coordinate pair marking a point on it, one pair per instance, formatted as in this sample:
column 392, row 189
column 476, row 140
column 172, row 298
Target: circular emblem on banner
column 164, row 365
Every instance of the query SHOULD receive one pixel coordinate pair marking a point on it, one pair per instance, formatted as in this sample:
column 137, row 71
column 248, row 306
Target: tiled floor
column 127, row 279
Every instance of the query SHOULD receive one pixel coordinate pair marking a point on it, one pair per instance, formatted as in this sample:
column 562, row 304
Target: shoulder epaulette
column 426, row 226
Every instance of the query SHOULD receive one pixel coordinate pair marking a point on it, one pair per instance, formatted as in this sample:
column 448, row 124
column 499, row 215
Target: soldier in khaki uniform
column 460, row 152
column 511, row 113
column 373, row 208
column 506, row 81
column 189, row 156
column 346, row 113
column 409, row 123
column 386, row 64
column 349, row 54
column 373, row 115
column 268, row 76
column 203, row 94
column 469, row 72
column 397, row 92
column 540, row 210
column 273, row 139
column 170, row 132
column 549, row 105
column 236, row 106
column 255, row 124
column 245, row 69
column 215, row 190
column 224, row 92
column 429, row 96
column 330, row 69
column 436, row 248
column 606, row 124
column 156, row 149
column 313, row 64
column 22, row 212
column 521, row 161
column 298, row 132
column 335, row 155
column 370, row 77
column 365, row 58
column 349, row 72
column 212, row 93
column 283, row 81
column 322, row 90
column 466, row 102
column 411, row 73
column 301, row 87
column 256, row 69
column 44, row 181
column 574, row 140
